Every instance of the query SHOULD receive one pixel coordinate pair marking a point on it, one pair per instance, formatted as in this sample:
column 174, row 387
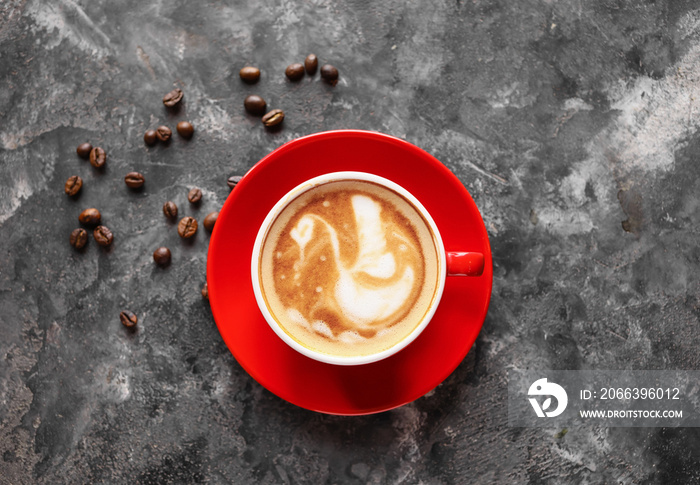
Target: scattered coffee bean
column 170, row 210
column 163, row 133
column 187, row 227
column 194, row 195
column 150, row 137
column 172, row 98
column 205, row 291
column 128, row 319
column 329, row 74
column 162, row 256
column 103, row 236
column 73, row 185
column 98, row 157
column 134, row 180
column 250, row 74
column 233, row 180
column 273, row 118
column 210, row 220
column 294, row 72
column 255, row 105
column 185, row 129
column 311, row 64
column 90, row 217
column 84, row 150
column 78, row 238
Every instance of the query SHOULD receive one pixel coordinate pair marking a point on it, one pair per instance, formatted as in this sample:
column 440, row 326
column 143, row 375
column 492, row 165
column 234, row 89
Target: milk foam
column 361, row 303
column 354, row 268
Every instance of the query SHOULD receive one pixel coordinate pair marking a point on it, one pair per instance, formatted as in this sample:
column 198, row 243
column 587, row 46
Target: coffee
column 349, row 268
column 311, row 64
column 134, row 180
column 255, row 104
column 185, row 129
column 73, row 185
column 173, row 98
column 233, row 180
column 162, row 256
column 210, row 220
column 128, row 319
column 98, row 157
column 170, row 210
column 163, row 133
column 150, row 137
column 84, row 150
column 78, row 238
column 90, row 217
column 103, row 236
column 329, row 74
column 187, row 227
column 194, row 195
column 294, row 72
column 273, row 118
column 249, row 74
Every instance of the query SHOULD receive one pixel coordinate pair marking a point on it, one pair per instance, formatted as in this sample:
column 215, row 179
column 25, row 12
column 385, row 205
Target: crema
column 349, row 268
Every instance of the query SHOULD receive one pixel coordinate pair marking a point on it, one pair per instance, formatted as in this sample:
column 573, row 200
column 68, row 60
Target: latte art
column 349, row 268
column 375, row 286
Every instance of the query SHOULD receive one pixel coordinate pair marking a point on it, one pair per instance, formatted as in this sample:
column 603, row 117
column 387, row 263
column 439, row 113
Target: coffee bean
column 150, row 137
column 134, row 180
column 255, row 105
column 98, row 157
column 233, row 180
column 172, row 98
column 103, row 235
column 210, row 220
column 329, row 74
column 163, row 133
column 128, row 319
column 84, row 150
column 185, row 129
column 194, row 195
column 73, row 185
column 170, row 210
column 294, row 72
column 162, row 256
column 187, row 227
column 78, row 238
column 90, row 217
column 205, row 291
column 250, row 74
column 311, row 64
column 273, row 118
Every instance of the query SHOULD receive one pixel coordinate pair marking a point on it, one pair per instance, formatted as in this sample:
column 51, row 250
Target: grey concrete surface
column 573, row 124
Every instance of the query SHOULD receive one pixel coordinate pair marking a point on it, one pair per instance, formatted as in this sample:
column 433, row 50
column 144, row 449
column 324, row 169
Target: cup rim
column 295, row 193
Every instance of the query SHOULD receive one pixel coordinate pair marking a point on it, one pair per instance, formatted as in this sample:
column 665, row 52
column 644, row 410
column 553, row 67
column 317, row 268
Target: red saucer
column 347, row 390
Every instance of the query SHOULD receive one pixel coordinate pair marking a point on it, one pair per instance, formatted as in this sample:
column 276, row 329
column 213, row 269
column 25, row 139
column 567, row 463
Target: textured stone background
column 574, row 125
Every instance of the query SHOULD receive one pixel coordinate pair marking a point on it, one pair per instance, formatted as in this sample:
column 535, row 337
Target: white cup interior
column 262, row 234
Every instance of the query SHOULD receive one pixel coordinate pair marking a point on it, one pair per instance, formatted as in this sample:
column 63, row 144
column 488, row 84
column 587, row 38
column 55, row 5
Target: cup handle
column 464, row 264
